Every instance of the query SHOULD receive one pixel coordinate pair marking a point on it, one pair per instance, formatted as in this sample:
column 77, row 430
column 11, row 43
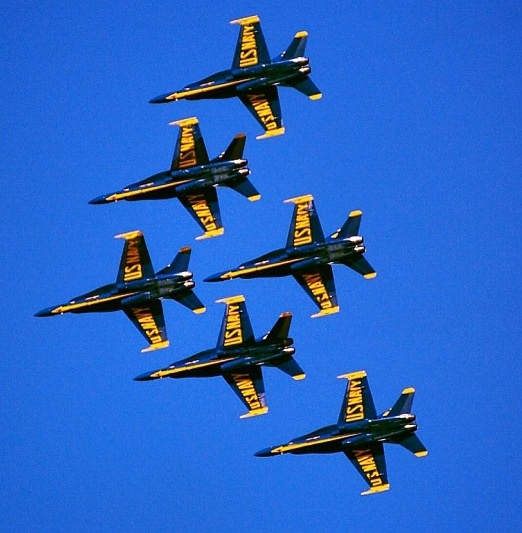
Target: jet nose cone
column 144, row 377
column 216, row 277
column 266, row 452
column 161, row 99
column 45, row 312
column 99, row 200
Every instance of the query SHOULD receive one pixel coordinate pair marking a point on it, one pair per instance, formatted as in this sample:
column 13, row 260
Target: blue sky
column 419, row 127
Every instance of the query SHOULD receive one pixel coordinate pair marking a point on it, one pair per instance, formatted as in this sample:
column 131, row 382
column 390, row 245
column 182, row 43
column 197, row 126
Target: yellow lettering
column 248, row 56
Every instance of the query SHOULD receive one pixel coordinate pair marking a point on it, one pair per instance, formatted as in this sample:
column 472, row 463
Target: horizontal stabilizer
column 246, row 188
column 306, row 86
column 413, row 444
column 180, row 263
column 403, row 404
column 190, row 300
column 361, row 266
column 291, row 367
column 281, row 328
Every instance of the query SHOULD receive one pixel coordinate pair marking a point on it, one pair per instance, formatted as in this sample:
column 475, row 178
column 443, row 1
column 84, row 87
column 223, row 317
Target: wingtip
column 255, row 412
column 231, row 299
column 316, row 96
column 408, row 390
column 370, row 275
column 299, row 377
column 210, row 234
column 378, row 488
column 156, row 346
column 421, row 454
column 246, row 20
column 199, row 310
column 353, row 375
column 326, row 312
column 129, row 235
column 272, row 133
column 299, row 199
column 184, row 122
column 254, row 197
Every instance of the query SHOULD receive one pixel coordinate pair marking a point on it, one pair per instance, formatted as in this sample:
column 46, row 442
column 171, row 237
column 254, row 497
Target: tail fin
column 350, row 228
column 281, row 328
column 403, row 405
column 235, row 149
column 179, row 263
column 413, row 444
column 296, row 47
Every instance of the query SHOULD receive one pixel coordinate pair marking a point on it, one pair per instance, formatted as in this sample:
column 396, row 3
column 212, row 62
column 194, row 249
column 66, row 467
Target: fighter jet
column 238, row 357
column 308, row 256
column 193, row 177
column 137, row 291
column 254, row 77
column 360, row 433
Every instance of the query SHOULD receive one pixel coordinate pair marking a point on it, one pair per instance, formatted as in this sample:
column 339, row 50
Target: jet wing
column 251, row 46
column 319, row 285
column 266, row 109
column 190, row 148
column 135, row 261
column 236, row 328
column 358, row 400
column 371, row 464
column 204, row 208
column 250, row 389
column 305, row 227
column 149, row 320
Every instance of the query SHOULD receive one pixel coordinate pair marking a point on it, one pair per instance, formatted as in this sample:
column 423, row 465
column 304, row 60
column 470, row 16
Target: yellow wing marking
column 353, row 375
column 326, row 312
column 212, row 233
column 246, row 20
column 255, row 412
column 371, row 275
column 379, row 488
column 156, row 346
column 129, row 235
column 231, row 299
column 299, row 199
column 184, row 122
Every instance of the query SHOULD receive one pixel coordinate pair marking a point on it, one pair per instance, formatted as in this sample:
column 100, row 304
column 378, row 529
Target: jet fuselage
column 169, row 184
column 214, row 362
column 114, row 297
column 236, row 82
column 334, row 438
column 286, row 261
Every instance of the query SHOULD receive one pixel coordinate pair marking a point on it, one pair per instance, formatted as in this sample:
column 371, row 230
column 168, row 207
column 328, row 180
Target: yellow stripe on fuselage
column 179, row 369
column 289, row 447
column 199, row 90
column 237, row 273
column 125, row 194
column 69, row 307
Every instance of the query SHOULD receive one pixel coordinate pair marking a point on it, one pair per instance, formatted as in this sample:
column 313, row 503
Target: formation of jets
column 308, row 256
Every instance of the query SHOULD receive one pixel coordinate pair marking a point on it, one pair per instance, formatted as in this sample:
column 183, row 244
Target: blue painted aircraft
column 239, row 356
column 193, row 178
column 308, row 256
column 254, row 77
column 138, row 290
column 360, row 433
